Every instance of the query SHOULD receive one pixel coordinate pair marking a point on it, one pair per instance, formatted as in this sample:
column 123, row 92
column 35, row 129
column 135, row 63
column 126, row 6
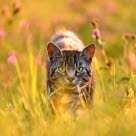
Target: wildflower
column 2, row 34
column 133, row 36
column 129, row 36
column 16, row 7
column 96, row 33
column 5, row 10
column 95, row 22
column 24, row 24
column 12, row 59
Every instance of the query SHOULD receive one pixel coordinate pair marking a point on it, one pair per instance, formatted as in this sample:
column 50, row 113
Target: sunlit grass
column 24, row 103
column 113, row 111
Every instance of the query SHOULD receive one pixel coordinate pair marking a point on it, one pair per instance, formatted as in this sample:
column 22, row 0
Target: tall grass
column 24, row 108
column 113, row 111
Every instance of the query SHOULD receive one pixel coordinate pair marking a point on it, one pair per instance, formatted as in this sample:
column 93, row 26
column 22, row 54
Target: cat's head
column 70, row 68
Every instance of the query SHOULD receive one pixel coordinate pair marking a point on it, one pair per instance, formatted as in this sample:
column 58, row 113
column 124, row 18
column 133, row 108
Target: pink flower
column 5, row 10
column 96, row 33
column 12, row 59
column 2, row 34
column 24, row 24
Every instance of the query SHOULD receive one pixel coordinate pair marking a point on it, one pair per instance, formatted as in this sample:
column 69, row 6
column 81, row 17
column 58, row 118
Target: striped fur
column 67, row 50
column 67, row 40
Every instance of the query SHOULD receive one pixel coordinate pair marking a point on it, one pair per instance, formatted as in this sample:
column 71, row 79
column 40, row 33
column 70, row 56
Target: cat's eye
column 62, row 69
column 79, row 69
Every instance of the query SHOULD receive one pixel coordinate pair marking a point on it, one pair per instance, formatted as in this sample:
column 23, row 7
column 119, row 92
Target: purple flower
column 96, row 33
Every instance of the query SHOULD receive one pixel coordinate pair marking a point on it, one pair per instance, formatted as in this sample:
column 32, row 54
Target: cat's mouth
column 69, row 86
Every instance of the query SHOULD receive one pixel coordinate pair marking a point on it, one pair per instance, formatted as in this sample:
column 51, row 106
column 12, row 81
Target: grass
column 24, row 102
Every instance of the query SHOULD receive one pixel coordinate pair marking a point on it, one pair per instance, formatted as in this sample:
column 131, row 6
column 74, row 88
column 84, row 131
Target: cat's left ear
column 53, row 51
column 89, row 52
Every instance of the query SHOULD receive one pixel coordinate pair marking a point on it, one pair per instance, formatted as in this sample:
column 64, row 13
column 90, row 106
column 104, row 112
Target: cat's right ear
column 53, row 51
column 89, row 52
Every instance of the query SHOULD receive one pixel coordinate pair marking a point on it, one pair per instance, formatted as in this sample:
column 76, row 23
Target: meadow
column 26, row 27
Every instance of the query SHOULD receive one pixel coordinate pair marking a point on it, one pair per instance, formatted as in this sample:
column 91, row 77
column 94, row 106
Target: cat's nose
column 70, row 79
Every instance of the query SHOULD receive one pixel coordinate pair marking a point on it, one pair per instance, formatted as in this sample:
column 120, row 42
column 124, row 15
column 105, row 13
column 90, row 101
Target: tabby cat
column 70, row 76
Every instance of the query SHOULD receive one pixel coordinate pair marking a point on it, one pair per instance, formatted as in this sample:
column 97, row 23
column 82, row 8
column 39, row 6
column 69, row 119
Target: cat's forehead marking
column 70, row 51
column 70, row 57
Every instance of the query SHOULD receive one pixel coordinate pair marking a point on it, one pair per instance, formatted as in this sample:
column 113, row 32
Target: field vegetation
column 26, row 27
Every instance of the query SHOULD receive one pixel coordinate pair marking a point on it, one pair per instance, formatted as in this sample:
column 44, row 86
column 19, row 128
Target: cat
column 69, row 70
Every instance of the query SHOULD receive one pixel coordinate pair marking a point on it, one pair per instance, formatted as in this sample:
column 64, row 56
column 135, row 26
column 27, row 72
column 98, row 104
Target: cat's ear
column 89, row 52
column 53, row 51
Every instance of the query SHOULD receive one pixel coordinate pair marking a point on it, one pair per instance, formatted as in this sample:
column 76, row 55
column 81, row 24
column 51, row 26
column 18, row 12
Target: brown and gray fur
column 67, row 50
